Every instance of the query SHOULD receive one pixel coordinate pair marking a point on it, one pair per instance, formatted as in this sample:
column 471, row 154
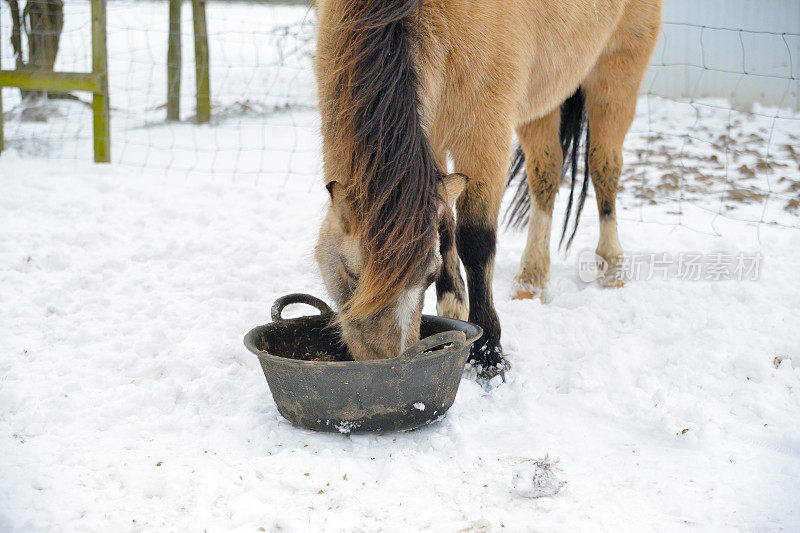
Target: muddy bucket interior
column 316, row 384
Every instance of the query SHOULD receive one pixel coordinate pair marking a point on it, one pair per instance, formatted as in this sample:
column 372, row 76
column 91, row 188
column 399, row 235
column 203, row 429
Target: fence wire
column 697, row 142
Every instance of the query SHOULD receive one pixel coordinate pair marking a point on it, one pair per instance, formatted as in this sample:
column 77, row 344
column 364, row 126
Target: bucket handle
column 446, row 337
column 298, row 298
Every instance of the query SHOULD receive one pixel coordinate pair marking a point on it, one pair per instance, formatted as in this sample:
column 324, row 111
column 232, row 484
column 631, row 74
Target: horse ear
column 331, row 186
column 339, row 204
column 453, row 185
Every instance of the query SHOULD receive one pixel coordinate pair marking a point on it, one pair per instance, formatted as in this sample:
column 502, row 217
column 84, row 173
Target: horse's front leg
column 451, row 295
column 483, row 159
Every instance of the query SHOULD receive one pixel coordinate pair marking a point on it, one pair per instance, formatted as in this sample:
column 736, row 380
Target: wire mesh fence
column 697, row 143
column 261, row 84
column 712, row 146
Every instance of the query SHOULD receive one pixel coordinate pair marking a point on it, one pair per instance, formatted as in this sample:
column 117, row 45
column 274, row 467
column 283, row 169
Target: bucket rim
column 470, row 330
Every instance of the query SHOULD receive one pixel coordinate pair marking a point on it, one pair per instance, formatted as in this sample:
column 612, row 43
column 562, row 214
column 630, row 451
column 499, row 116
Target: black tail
column 573, row 128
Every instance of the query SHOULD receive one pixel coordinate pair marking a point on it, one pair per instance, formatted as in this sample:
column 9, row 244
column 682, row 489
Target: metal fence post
column 100, row 101
column 202, row 71
column 174, row 61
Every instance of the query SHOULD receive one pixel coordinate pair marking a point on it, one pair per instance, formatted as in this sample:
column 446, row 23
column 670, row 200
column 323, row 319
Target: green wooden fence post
column 174, row 61
column 2, row 140
column 100, row 101
column 202, row 70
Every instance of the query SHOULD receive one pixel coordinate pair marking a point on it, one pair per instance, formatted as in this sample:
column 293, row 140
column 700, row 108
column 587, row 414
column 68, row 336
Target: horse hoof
column 486, row 374
column 488, row 361
column 614, row 281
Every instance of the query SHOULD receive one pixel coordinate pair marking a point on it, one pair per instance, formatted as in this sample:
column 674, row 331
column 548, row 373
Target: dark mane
column 372, row 120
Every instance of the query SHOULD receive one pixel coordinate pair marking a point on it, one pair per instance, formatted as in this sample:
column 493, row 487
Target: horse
column 406, row 87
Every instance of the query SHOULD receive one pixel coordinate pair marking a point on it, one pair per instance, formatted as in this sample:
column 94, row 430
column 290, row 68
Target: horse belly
column 561, row 56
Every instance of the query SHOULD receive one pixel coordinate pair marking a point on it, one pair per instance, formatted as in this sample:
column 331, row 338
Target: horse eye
column 347, row 271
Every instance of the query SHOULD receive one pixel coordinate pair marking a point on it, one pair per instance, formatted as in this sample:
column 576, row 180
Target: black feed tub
column 315, row 385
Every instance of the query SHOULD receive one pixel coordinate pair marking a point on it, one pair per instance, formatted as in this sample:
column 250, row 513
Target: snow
column 128, row 401
column 536, row 478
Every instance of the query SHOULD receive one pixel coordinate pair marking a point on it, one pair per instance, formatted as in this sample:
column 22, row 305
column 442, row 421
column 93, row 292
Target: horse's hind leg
column 539, row 140
column 611, row 92
column 608, row 122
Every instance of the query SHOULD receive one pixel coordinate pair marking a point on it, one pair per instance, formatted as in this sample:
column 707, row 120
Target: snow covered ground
column 691, row 152
column 128, row 402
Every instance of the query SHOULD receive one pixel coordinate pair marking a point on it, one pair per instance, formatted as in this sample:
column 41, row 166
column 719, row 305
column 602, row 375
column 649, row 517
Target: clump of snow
column 346, row 427
column 778, row 359
column 536, row 478
column 419, row 406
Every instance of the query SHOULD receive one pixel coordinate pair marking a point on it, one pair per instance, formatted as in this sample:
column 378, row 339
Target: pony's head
column 377, row 248
column 378, row 285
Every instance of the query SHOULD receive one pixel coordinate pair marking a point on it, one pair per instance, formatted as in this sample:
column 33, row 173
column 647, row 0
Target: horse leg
column 451, row 295
column 482, row 157
column 611, row 92
column 539, row 140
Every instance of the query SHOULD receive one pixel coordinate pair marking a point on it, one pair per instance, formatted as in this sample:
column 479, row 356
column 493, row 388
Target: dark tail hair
column 373, row 121
column 574, row 128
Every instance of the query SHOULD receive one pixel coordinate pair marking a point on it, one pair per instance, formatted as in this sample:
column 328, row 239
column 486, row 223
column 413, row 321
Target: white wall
column 757, row 59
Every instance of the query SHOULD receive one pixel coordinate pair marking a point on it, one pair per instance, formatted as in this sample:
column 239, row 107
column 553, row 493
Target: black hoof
column 486, row 357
